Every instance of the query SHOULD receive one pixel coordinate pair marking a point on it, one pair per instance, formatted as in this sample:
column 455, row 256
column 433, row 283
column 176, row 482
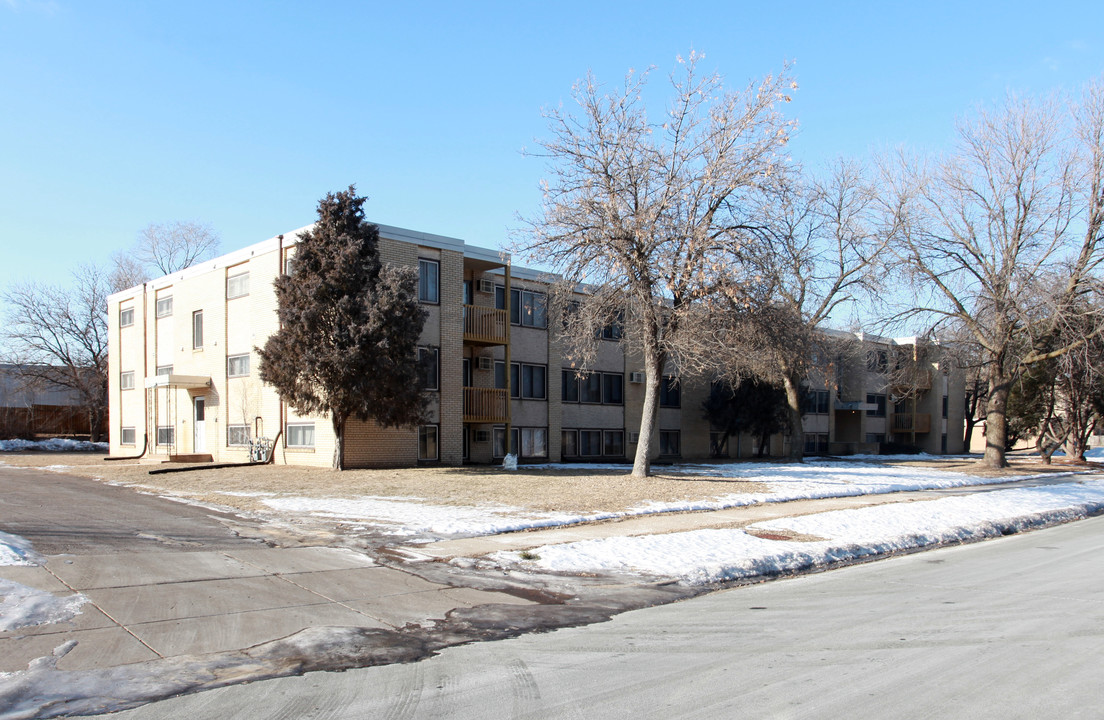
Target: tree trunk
column 969, row 436
column 793, row 403
column 339, row 442
column 996, row 419
column 653, row 375
column 95, row 420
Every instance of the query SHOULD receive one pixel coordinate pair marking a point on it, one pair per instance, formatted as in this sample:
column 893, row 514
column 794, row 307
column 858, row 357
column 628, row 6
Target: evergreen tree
column 349, row 327
column 754, row 406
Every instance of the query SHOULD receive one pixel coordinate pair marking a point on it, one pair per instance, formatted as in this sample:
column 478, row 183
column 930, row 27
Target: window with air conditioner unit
column 636, row 377
column 486, row 363
column 487, row 286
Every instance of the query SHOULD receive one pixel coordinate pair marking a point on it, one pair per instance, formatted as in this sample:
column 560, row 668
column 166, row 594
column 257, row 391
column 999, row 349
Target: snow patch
column 22, row 606
column 52, row 445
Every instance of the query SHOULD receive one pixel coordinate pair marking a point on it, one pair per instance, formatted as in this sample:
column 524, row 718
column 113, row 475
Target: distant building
column 183, row 374
column 31, row 405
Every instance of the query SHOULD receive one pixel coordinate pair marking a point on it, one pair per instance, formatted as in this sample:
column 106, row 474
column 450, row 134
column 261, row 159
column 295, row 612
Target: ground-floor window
column 592, row 443
column 126, row 436
column 427, row 442
column 300, row 435
column 237, row 435
column 718, row 444
column 816, row 443
column 669, row 443
column 525, row 442
column 875, row 438
column 166, row 435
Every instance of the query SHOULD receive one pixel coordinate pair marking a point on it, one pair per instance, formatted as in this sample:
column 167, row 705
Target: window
column 526, row 442
column 237, row 435
column 527, row 308
column 126, row 380
column 569, row 443
column 428, row 281
column 238, row 285
column 164, row 370
column 126, row 317
column 165, row 435
column 527, row 382
column 590, row 443
column 590, row 388
column 614, row 443
column 816, row 402
column 427, row 367
column 878, row 438
column 126, row 436
column 237, row 365
column 289, row 265
column 197, row 330
column 300, row 435
column 669, row 442
column 816, row 443
column 164, row 306
column 670, row 393
column 880, row 401
column 612, row 389
column 718, row 444
column 944, row 406
column 569, row 386
column 615, row 330
column 877, row 361
column 427, row 442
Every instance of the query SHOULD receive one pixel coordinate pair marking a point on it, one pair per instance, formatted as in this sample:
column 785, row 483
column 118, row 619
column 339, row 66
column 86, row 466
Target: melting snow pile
column 52, row 445
column 20, row 605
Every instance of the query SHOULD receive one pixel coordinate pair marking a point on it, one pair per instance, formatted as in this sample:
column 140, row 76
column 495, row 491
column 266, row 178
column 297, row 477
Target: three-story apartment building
column 184, row 381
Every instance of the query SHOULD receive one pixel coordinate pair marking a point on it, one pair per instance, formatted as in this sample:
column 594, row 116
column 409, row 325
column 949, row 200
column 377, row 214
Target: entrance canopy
column 185, row 382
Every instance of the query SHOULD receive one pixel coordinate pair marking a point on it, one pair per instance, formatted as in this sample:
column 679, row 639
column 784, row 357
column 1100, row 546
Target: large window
column 237, row 365
column 592, row 443
column 816, row 443
column 428, row 368
column 527, row 382
column 427, row 442
column 197, row 330
column 429, row 272
column 127, row 436
column 237, row 285
column 670, row 392
column 669, row 443
column 527, row 308
column 164, row 306
column 237, row 435
column 816, row 402
column 126, row 317
column 527, row 442
column 879, row 401
column 126, row 380
column 593, row 387
column 300, row 435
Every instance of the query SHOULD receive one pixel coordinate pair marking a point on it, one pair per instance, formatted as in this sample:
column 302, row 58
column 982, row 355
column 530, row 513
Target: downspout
column 279, row 326
column 509, row 375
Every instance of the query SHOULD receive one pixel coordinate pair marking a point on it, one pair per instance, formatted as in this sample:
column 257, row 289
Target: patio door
column 199, row 436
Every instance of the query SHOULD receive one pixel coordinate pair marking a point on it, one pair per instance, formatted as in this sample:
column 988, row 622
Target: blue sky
column 241, row 114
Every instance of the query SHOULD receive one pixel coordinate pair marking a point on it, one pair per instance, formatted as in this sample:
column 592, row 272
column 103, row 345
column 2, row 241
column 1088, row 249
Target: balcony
column 485, row 405
column 902, row 422
column 908, row 381
column 485, row 325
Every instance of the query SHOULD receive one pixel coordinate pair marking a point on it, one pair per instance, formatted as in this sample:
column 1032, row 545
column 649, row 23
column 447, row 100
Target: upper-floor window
column 237, row 365
column 237, row 285
column 197, row 329
column 593, row 387
column 126, row 317
column 944, row 406
column 879, row 401
column 877, row 361
column 670, row 392
column 164, row 306
column 427, row 366
column 164, row 370
column 126, row 380
column 527, row 308
column 816, row 402
column 527, row 382
column 615, row 329
column 429, row 272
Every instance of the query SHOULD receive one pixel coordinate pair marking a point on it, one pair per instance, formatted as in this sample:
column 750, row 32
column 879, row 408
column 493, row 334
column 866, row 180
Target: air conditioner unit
column 634, row 437
column 482, row 436
column 636, row 377
column 486, row 363
column 486, row 286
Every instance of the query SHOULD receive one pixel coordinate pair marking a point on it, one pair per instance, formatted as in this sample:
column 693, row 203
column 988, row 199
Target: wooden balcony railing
column 902, row 422
column 485, row 325
column 485, row 405
column 910, row 380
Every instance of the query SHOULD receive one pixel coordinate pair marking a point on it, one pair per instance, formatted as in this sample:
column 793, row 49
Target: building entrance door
column 199, row 436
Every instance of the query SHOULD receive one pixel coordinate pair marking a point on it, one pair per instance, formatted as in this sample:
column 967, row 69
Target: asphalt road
column 1011, row 628
column 63, row 514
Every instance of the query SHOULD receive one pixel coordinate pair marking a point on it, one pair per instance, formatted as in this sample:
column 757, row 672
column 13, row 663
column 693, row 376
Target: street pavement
column 1010, row 628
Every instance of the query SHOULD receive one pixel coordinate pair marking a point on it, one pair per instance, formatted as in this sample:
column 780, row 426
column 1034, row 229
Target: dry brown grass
column 543, row 489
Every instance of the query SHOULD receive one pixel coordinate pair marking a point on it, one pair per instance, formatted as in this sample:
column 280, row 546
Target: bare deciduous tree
column 634, row 208
column 59, row 334
column 816, row 249
column 163, row 249
column 1022, row 195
